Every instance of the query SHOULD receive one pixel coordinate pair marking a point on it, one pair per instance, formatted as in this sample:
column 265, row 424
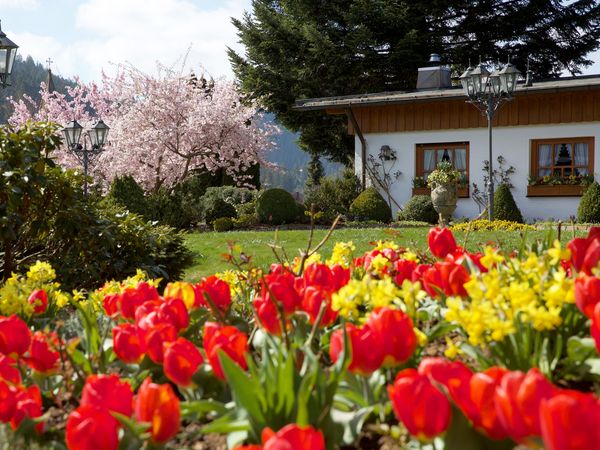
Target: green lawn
column 209, row 247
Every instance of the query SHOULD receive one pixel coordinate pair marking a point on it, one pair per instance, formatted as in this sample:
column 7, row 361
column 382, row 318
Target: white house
column 548, row 132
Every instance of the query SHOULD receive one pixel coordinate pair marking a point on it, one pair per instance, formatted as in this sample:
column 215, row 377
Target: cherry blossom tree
column 164, row 127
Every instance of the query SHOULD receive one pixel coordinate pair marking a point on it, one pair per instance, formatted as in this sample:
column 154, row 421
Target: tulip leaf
column 243, row 389
column 441, row 329
column 352, row 422
column 202, row 407
column 580, row 349
column 226, row 424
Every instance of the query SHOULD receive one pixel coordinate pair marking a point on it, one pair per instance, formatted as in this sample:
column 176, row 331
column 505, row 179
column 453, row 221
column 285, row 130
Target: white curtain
column 581, row 154
column 544, row 159
column 460, row 159
column 429, row 160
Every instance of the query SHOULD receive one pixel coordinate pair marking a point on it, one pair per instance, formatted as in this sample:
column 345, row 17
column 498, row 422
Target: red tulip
column 318, row 275
column 293, row 437
column 569, row 421
column 155, row 337
column 173, row 310
column 403, row 270
column 280, row 287
column 92, row 428
column 395, row 333
column 43, row 356
column 419, row 405
column 267, row 315
column 128, row 342
column 129, row 300
column 482, row 389
column 9, row 371
column 228, row 339
column 595, row 327
column 39, row 300
column 181, row 360
column 110, row 303
column 108, row 391
column 441, row 242
column 585, row 252
column 15, row 336
column 587, row 293
column 28, row 404
column 341, row 277
column 366, row 350
column 158, row 405
column 311, row 303
column 216, row 289
column 8, row 402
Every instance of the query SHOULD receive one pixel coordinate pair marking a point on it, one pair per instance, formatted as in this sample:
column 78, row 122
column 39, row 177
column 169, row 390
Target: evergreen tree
column 316, row 48
column 315, row 171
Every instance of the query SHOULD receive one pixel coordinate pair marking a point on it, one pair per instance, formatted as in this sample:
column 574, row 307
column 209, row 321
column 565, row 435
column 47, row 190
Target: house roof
column 588, row 82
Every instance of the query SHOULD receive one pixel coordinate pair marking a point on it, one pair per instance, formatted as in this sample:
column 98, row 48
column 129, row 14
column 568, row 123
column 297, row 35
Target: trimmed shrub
column 419, row 208
column 276, row 206
column 333, row 196
column 370, row 205
column 589, row 205
column 124, row 191
column 505, row 207
column 216, row 208
column 223, row 224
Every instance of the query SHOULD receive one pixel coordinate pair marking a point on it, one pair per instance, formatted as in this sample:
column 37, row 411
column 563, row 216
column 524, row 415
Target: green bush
column 170, row 208
column 420, row 209
column 333, row 196
column 223, row 224
column 246, row 221
column 370, row 205
column 124, row 191
column 231, row 194
column 589, row 205
column 215, row 208
column 276, row 206
column 505, row 207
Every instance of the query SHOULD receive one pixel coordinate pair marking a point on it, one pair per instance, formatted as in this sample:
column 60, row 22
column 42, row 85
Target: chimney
column 434, row 76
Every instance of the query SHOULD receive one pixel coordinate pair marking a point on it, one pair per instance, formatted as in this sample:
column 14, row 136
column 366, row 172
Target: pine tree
column 315, row 171
column 315, row 48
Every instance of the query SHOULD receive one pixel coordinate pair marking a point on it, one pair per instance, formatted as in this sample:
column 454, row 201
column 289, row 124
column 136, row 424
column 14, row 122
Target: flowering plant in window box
column 550, row 180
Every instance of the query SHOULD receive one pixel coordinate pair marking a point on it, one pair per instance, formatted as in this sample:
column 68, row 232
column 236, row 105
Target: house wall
column 513, row 143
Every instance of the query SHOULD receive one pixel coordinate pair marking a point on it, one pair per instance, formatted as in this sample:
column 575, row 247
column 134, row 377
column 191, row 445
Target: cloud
column 143, row 32
column 19, row 4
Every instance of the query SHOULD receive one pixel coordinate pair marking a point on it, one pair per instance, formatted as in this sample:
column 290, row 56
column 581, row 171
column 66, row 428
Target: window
column 430, row 155
column 561, row 160
column 561, row 167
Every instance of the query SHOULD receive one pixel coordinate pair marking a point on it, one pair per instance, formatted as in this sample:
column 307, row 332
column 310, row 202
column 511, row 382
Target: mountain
column 292, row 162
column 25, row 80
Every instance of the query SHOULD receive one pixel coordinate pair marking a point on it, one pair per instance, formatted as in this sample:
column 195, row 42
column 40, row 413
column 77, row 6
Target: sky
column 84, row 37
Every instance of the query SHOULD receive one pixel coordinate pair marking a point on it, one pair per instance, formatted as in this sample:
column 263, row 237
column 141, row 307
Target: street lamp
column 8, row 51
column 97, row 137
column 487, row 91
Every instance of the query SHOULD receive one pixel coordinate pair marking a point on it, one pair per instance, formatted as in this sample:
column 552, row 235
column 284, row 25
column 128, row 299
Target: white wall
column 513, row 143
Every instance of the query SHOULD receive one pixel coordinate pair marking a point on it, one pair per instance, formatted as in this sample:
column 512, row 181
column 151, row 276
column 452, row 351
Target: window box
column 463, row 192
column 557, row 190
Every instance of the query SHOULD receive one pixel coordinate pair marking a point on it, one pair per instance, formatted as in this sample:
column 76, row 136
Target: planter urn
column 444, row 198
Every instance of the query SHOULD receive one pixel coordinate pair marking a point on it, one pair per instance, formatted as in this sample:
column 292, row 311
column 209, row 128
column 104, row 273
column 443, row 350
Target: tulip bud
column 90, row 427
column 158, row 405
column 39, row 300
column 441, row 242
column 15, row 336
column 181, row 360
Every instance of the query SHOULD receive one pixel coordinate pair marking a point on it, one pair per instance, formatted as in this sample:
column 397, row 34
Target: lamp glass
column 72, row 132
column 98, row 134
column 495, row 83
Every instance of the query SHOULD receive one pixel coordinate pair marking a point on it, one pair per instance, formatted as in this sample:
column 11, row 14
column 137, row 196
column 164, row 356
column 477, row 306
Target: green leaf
column 462, row 436
column 580, row 349
column 202, row 407
column 243, row 388
column 352, row 422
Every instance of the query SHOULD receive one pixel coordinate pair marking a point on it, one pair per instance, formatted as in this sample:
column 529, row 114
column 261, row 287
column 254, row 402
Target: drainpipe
column 363, row 147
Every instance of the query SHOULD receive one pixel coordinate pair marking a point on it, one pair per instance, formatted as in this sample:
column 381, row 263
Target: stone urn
column 444, row 197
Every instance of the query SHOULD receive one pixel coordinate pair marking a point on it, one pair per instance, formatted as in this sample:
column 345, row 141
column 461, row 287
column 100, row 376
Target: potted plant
column 443, row 182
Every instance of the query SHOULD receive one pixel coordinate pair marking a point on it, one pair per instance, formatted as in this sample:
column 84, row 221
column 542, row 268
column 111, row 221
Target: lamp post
column 97, row 138
column 8, row 51
column 487, row 91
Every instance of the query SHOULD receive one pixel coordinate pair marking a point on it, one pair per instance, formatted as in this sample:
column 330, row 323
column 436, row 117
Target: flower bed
column 465, row 350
